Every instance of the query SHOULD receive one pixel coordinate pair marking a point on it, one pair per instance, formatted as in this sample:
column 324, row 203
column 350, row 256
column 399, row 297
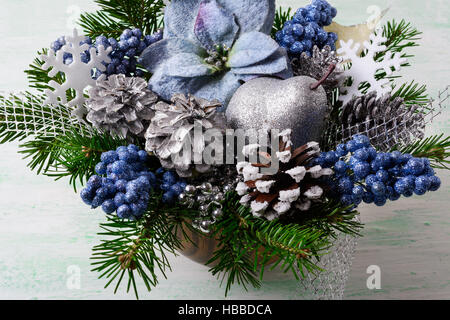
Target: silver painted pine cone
column 172, row 130
column 386, row 121
column 121, row 105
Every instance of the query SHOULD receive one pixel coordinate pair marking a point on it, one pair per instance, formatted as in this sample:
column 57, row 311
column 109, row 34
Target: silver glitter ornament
column 217, row 213
column 205, row 225
column 317, row 65
column 269, row 103
column 190, row 189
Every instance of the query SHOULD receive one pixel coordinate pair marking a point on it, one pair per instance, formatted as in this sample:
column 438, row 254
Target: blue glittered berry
column 87, row 195
column 378, row 189
column 361, row 154
column 361, row 170
column 352, row 146
column 340, row 166
column 415, row 166
column 94, row 182
column 120, row 199
column 124, row 212
column 169, row 197
column 170, row 177
column 109, row 157
column 341, row 150
column 379, row 200
column 371, row 179
column 401, row 186
column 368, row 197
column 358, row 191
column 345, row 185
column 382, row 175
column 347, row 200
column 109, row 206
column 435, row 183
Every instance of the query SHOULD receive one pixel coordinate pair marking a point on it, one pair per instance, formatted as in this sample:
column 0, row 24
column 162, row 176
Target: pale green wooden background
column 44, row 227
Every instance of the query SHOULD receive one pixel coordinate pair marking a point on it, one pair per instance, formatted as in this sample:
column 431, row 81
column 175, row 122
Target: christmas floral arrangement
column 259, row 128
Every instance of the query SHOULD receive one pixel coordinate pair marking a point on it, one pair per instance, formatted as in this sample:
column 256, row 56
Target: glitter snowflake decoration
column 364, row 69
column 78, row 75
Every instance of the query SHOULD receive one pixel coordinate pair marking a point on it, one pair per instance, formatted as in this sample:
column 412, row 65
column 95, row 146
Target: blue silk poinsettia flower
column 210, row 47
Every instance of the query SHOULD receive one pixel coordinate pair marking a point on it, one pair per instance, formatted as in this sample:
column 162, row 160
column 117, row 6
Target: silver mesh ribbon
column 25, row 114
column 330, row 283
column 390, row 132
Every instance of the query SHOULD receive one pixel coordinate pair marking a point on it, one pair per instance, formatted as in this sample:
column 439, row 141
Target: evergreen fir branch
column 281, row 16
column 412, row 93
column 248, row 243
column 400, row 36
column 116, row 15
column 140, row 248
column 436, row 148
column 72, row 155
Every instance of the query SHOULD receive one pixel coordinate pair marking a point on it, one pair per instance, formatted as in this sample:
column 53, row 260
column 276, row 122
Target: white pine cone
column 121, row 105
column 293, row 186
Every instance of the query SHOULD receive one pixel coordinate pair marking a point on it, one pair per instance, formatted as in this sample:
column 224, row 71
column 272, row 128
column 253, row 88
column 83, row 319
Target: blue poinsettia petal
column 251, row 48
column 215, row 25
column 187, row 65
column 179, row 19
column 252, row 15
column 161, row 51
column 221, row 88
column 166, row 86
column 276, row 63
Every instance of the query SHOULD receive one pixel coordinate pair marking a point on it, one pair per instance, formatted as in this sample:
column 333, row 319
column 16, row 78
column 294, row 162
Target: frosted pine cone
column 294, row 186
column 171, row 132
column 317, row 65
column 121, row 105
column 386, row 121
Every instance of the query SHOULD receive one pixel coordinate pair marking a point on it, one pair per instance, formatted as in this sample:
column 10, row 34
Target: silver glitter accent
column 316, row 66
column 330, row 283
column 268, row 103
column 172, row 129
column 121, row 105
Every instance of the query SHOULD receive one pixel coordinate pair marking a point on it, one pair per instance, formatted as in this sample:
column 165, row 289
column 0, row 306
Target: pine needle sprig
column 412, row 94
column 72, row 155
column 247, row 245
column 281, row 16
column 436, row 148
column 133, row 249
column 400, row 36
column 115, row 16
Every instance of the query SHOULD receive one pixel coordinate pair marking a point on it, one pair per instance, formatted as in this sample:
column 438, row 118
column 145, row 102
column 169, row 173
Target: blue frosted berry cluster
column 123, row 183
column 375, row 177
column 124, row 51
column 306, row 29
column 171, row 184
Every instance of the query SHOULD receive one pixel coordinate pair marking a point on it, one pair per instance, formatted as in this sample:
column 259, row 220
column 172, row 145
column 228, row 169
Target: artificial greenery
column 281, row 16
column 247, row 246
column 436, row 148
column 141, row 247
column 73, row 155
column 115, row 16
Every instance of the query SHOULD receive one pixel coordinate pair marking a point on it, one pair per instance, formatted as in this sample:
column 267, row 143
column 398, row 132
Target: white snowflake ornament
column 363, row 69
column 78, row 75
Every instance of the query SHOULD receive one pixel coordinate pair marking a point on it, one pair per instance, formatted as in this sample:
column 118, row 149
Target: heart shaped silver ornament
column 270, row 103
